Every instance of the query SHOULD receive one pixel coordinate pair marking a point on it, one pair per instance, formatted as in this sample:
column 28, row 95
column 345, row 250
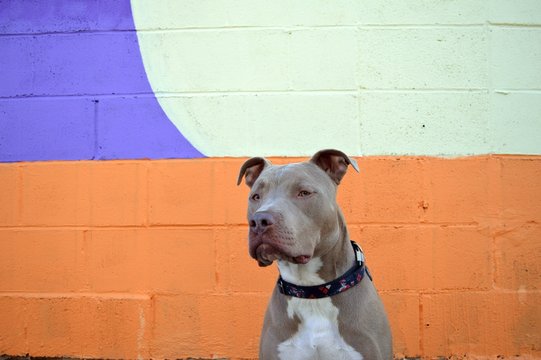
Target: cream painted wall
column 376, row 77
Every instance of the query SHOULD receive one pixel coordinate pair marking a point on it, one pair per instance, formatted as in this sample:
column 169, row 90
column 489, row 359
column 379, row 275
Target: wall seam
column 95, row 154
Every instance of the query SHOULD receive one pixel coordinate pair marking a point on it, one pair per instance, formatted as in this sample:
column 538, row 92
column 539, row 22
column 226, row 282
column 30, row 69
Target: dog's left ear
column 251, row 170
column 334, row 163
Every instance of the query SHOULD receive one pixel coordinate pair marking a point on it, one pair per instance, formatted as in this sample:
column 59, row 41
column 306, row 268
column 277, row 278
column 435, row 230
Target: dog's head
column 292, row 210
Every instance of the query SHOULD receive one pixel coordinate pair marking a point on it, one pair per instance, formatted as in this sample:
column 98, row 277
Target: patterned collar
column 351, row 278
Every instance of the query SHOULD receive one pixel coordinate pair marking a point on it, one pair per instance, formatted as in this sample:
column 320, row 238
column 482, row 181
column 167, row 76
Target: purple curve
column 73, row 86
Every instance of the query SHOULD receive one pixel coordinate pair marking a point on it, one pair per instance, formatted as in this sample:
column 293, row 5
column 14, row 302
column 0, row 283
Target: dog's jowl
column 324, row 305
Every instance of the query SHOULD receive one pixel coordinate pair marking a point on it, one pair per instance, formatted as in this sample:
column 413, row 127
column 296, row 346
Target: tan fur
column 297, row 226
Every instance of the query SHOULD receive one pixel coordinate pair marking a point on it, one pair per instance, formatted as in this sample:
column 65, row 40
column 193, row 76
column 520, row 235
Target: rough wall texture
column 148, row 258
column 91, row 79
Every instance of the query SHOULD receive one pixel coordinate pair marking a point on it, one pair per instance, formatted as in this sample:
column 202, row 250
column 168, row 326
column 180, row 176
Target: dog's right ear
column 251, row 170
column 334, row 163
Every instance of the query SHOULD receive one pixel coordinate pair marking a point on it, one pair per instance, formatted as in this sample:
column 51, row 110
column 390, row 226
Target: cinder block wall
column 424, row 77
column 126, row 259
column 148, row 258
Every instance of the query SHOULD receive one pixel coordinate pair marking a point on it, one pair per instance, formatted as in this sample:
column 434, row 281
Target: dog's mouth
column 265, row 254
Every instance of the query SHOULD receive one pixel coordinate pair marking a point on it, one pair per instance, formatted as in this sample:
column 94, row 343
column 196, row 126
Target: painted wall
column 74, row 86
column 145, row 256
column 242, row 78
column 424, row 77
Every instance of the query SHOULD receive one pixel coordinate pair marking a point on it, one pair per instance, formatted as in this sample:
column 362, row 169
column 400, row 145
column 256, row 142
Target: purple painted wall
column 73, row 85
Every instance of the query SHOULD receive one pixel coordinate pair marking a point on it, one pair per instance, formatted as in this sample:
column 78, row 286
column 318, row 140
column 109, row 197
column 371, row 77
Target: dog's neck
column 324, row 267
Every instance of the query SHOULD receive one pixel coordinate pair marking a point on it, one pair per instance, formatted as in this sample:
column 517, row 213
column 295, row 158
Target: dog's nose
column 261, row 221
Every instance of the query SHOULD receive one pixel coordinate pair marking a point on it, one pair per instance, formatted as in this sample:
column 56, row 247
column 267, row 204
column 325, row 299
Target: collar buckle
column 359, row 254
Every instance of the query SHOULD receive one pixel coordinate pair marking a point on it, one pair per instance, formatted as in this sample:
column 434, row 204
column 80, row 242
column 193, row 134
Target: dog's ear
column 334, row 163
column 251, row 170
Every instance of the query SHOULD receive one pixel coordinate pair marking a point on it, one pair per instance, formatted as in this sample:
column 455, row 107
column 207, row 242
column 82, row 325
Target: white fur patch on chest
column 318, row 336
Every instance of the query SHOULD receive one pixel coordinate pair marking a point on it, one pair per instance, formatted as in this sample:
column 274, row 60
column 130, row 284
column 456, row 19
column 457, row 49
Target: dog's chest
column 318, row 336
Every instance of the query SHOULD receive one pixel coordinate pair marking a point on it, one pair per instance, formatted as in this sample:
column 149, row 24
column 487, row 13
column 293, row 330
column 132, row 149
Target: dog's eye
column 304, row 193
column 255, row 197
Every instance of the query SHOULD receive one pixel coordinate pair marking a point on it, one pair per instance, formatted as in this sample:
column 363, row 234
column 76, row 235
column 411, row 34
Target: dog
column 324, row 305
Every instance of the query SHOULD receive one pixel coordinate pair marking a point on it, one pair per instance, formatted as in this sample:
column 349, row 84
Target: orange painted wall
column 127, row 259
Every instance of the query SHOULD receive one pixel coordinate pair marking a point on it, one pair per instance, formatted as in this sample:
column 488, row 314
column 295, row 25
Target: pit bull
column 324, row 305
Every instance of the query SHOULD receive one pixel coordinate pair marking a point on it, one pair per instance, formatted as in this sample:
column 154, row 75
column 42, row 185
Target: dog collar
column 345, row 282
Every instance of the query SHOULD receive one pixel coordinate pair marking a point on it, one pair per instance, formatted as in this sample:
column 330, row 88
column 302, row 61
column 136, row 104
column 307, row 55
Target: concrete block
column 423, row 258
column 515, row 122
column 177, row 327
column 459, row 193
column 424, row 123
column 13, row 333
column 181, row 261
column 517, row 258
column 526, row 12
column 70, row 16
column 55, row 64
column 115, row 260
column 175, row 260
column 515, row 58
column 520, row 198
column 135, row 127
column 208, row 195
column 250, row 60
column 421, row 12
column 403, row 311
column 58, row 128
column 210, row 326
column 387, row 190
column 76, row 326
column 243, row 13
column 423, row 58
column 187, row 204
column 10, row 194
column 322, row 59
column 89, row 327
column 455, row 323
column 118, row 193
column 56, row 267
column 83, row 193
column 108, row 260
column 268, row 124
column 49, row 201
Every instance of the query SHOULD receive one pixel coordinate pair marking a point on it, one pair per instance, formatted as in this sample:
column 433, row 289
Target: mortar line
column 76, row 295
column 96, row 144
column 75, row 32
column 146, row 200
column 148, row 294
column 114, row 227
column 496, row 184
column 518, row 91
column 87, row 239
column 421, row 325
column 358, row 82
column 91, row 97
column 490, row 81
column 232, row 28
column 152, row 325
column 218, row 226
column 20, row 194
column 315, row 27
column 259, row 92
column 513, row 25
